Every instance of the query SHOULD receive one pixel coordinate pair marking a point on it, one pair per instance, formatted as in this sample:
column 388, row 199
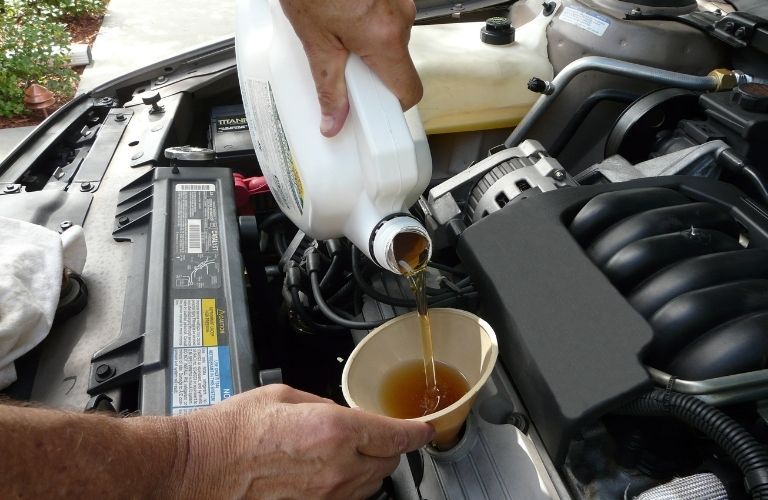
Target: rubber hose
column 273, row 219
column 750, row 455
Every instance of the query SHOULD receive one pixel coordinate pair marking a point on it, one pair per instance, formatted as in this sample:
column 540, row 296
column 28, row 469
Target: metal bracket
column 95, row 164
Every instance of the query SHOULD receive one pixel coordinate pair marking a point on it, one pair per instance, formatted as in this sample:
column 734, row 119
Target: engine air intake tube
column 750, row 455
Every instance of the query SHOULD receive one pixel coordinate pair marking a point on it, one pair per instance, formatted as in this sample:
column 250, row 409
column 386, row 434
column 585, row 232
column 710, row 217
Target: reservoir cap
column 189, row 153
column 497, row 31
column 752, row 97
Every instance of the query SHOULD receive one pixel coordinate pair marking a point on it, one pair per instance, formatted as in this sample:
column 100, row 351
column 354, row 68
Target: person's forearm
column 48, row 452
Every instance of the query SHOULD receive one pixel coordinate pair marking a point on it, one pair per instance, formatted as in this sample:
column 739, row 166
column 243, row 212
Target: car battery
column 185, row 341
column 230, row 139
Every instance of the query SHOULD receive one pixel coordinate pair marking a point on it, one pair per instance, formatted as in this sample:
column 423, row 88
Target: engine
column 616, row 240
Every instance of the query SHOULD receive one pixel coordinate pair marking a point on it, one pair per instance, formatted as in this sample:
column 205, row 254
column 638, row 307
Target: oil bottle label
column 272, row 148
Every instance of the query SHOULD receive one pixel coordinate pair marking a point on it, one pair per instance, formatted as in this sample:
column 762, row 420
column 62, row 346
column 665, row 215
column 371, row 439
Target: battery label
column 231, row 124
column 201, row 376
column 197, row 257
column 202, row 373
column 200, row 364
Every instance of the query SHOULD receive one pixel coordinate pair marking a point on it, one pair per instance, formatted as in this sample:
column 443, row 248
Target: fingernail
column 326, row 124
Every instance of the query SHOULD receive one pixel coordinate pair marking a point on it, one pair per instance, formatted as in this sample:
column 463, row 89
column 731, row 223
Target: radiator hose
column 750, row 455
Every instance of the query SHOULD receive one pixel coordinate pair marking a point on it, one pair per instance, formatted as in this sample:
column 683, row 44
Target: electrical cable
column 306, row 316
column 293, row 278
column 731, row 160
column 332, row 270
column 343, row 291
column 757, row 180
column 448, row 269
column 393, row 301
column 329, row 313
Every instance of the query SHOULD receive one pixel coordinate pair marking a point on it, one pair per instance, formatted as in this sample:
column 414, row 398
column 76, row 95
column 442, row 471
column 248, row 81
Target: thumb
column 385, row 437
column 327, row 63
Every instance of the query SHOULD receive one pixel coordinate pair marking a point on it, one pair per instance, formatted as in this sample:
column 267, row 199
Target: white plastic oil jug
column 358, row 184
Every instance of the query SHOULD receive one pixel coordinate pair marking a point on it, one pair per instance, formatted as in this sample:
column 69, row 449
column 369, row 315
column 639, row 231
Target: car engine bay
column 615, row 237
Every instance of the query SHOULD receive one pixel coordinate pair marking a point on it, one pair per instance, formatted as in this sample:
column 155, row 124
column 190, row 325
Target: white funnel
column 460, row 340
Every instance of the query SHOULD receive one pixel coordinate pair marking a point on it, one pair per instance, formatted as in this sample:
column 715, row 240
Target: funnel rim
column 466, row 398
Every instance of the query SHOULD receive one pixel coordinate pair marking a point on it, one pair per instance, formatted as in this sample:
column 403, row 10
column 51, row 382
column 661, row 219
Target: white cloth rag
column 33, row 260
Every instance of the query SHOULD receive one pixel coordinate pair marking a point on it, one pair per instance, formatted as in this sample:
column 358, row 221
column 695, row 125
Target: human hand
column 376, row 30
column 278, row 442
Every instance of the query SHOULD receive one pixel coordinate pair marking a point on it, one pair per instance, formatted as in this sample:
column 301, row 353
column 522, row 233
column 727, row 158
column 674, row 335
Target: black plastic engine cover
column 567, row 336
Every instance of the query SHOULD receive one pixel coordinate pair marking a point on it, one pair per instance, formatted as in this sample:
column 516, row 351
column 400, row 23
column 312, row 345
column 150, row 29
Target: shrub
column 77, row 8
column 34, row 46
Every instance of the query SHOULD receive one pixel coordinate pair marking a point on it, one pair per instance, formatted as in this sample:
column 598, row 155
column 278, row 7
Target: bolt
column 636, row 12
column 537, row 85
column 120, row 117
column 103, row 372
column 558, row 174
column 549, row 8
column 161, row 79
column 458, row 7
column 65, row 225
column 741, row 32
column 123, row 220
column 540, row 86
column 105, row 101
column 85, row 186
column 11, row 188
column 729, row 27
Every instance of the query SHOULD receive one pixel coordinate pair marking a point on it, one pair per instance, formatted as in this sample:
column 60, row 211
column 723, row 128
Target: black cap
column 752, row 97
column 497, row 31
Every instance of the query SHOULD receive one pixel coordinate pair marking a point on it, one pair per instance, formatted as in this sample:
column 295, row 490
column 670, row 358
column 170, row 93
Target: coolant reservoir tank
column 470, row 84
column 358, row 184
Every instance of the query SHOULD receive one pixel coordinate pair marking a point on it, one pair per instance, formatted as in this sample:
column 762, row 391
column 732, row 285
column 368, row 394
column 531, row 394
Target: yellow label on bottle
column 210, row 336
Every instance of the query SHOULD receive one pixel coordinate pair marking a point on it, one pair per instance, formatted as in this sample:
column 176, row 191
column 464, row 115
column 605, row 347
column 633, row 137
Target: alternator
column 496, row 181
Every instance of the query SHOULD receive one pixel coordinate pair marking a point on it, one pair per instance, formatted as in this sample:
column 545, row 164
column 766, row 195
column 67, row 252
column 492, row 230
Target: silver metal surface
column 705, row 486
column 730, row 389
column 190, row 153
column 493, row 460
column 474, row 172
column 540, row 175
column 66, row 352
column 442, row 204
column 697, row 160
column 609, row 66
